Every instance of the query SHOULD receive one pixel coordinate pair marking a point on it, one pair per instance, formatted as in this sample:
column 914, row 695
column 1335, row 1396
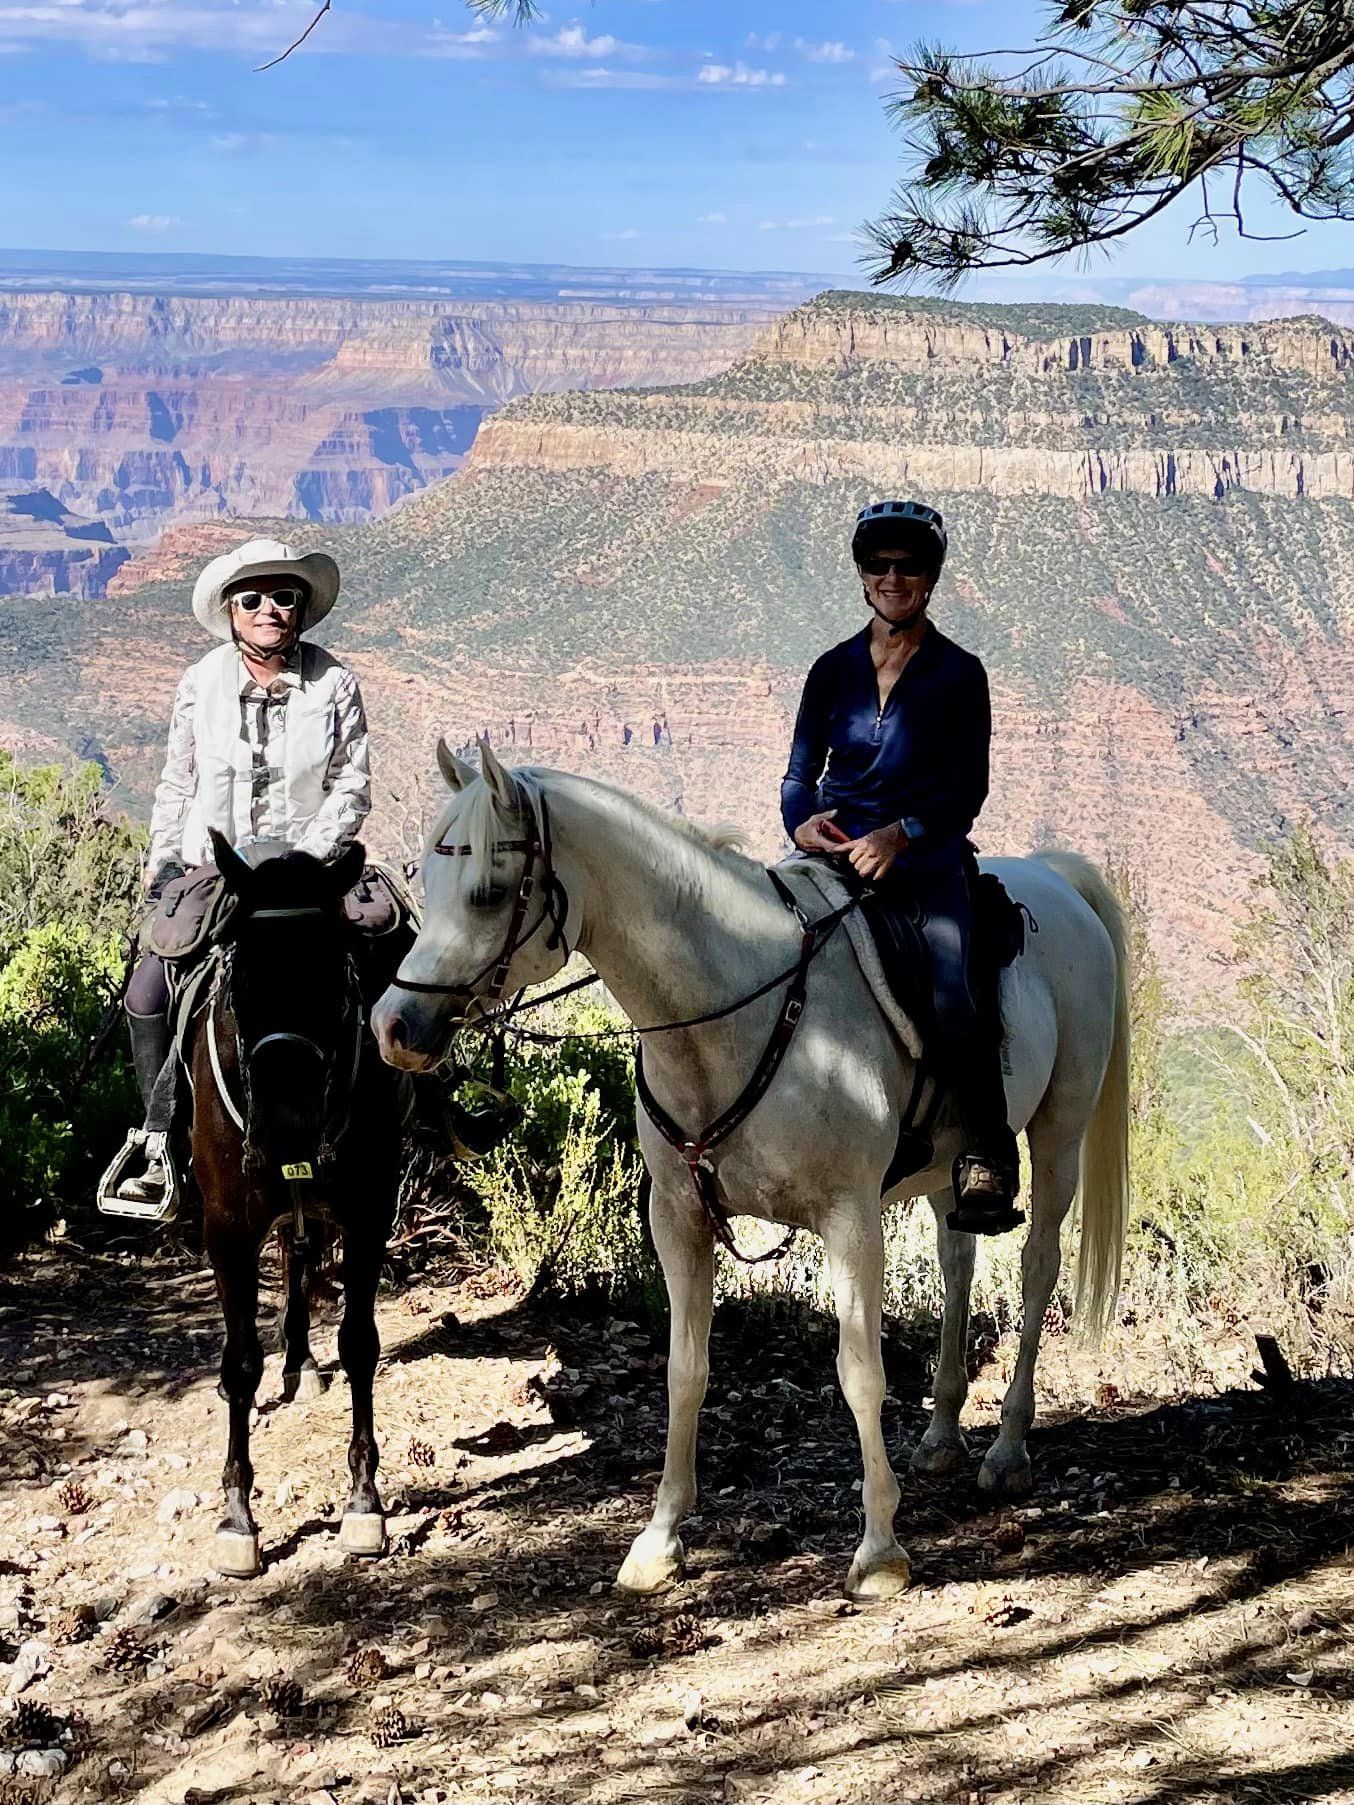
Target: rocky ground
column 1166, row 1620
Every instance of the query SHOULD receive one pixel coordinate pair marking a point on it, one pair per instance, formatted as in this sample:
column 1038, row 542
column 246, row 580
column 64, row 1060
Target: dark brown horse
column 296, row 1124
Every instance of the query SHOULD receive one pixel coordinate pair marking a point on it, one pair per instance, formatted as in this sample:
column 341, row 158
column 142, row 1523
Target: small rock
column 31, row 1662
column 590, row 1693
column 285, row 1492
column 423, row 1671
column 155, row 1607
column 50, row 1523
column 176, row 1462
column 135, row 1441
column 118, row 1772
column 107, row 1607
column 177, row 1504
column 484, row 1601
column 1303, row 1622
column 42, row 1764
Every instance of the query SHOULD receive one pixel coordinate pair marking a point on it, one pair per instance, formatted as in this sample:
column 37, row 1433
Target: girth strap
column 696, row 1152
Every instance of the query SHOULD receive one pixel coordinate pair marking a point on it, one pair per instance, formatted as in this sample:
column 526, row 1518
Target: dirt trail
column 1165, row 1620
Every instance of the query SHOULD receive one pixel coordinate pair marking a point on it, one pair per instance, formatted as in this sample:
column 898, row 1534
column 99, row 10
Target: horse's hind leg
column 686, row 1250
column 853, row 1240
column 1053, row 1160
column 943, row 1449
column 362, row 1530
column 237, row 1284
column 301, row 1376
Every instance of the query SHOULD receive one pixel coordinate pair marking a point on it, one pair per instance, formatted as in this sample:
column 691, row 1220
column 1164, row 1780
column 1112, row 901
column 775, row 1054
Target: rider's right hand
column 809, row 835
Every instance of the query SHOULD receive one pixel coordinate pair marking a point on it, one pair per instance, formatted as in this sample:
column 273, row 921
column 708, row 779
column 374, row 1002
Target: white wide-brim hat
column 263, row 558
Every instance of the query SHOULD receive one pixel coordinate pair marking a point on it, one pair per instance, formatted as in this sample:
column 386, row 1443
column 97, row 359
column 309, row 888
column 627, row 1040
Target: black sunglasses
column 252, row 599
column 912, row 566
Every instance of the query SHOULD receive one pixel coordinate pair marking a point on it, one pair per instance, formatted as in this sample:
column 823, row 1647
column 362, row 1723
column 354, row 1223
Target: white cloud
column 178, row 103
column 738, row 75
column 713, row 219
column 607, row 78
column 769, row 41
column 626, row 232
column 795, row 225
column 230, row 142
column 152, row 222
column 832, row 52
column 464, row 45
column 884, row 68
column 573, row 41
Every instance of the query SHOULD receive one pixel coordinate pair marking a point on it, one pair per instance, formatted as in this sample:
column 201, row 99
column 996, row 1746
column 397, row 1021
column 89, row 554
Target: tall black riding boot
column 152, row 1044
column 986, row 1175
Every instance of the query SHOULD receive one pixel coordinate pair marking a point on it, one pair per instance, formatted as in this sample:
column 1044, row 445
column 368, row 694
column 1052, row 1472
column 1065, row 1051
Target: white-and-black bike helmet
column 899, row 522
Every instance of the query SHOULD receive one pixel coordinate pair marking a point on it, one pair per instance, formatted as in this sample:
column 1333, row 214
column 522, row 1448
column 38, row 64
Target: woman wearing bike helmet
column 889, row 769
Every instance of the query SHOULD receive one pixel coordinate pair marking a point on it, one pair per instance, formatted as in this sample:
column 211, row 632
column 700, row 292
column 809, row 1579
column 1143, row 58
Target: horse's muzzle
column 413, row 1036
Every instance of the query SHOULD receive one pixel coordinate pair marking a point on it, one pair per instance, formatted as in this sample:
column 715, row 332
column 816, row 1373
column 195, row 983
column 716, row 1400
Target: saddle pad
column 813, row 882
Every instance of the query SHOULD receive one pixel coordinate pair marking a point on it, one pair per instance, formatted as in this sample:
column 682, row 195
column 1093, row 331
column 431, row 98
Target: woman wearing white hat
column 268, row 741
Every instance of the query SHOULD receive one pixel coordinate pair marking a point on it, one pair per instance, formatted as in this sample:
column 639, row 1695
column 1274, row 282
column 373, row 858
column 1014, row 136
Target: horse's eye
column 487, row 896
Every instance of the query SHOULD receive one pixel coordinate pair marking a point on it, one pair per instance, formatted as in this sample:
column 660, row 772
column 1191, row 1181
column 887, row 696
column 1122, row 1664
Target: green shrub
column 62, row 1113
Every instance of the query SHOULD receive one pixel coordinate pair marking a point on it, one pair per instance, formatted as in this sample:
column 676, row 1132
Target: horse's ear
column 234, row 871
column 502, row 784
column 454, row 770
column 348, row 867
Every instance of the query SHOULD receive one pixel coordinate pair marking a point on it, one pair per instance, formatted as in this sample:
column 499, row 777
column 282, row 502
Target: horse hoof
column 236, row 1553
column 644, row 1572
column 1010, row 1478
column 937, row 1460
column 363, row 1532
column 305, row 1386
column 881, row 1579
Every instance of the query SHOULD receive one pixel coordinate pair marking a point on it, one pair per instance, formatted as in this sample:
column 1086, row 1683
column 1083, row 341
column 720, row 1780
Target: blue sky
column 624, row 132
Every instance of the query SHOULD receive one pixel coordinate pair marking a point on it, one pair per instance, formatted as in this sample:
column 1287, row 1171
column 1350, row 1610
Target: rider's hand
column 148, row 878
column 809, row 835
column 873, row 854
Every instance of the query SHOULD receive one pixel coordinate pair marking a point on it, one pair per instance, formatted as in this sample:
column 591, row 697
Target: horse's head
column 293, row 995
column 494, row 914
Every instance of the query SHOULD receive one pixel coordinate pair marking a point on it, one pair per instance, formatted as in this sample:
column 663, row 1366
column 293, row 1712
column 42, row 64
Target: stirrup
column 144, row 1148
column 984, row 1212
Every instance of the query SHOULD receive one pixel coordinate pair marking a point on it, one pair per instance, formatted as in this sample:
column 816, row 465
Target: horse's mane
column 479, row 819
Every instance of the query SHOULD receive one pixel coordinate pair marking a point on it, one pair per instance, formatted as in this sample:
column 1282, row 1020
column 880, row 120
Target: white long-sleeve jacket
column 288, row 763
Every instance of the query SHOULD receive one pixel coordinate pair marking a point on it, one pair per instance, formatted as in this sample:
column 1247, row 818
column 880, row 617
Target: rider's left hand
column 873, row 854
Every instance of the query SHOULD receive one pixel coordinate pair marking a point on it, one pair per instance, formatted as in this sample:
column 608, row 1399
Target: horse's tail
column 1103, row 1182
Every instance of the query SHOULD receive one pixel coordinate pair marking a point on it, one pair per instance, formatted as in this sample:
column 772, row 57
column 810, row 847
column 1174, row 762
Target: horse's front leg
column 362, row 1530
column 236, row 1265
column 853, row 1239
column 686, row 1250
column 301, row 1376
column 1053, row 1183
column 943, row 1449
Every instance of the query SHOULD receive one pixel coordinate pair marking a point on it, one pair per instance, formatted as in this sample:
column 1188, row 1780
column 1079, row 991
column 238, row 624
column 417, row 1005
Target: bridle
column 340, row 1073
column 536, row 844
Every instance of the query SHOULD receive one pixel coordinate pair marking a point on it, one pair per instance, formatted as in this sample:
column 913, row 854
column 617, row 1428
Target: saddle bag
column 379, row 904
column 998, row 923
column 192, row 914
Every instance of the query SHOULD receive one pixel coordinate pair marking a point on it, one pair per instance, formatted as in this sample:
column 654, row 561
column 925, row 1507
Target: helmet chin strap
column 896, row 627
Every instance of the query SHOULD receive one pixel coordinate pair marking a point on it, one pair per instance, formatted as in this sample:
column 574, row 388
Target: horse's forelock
column 474, row 818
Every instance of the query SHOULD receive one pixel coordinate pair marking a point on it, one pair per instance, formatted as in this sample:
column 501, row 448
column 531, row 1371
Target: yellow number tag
column 302, row 1169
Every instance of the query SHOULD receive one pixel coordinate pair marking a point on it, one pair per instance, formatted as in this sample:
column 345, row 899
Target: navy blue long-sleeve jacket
column 921, row 759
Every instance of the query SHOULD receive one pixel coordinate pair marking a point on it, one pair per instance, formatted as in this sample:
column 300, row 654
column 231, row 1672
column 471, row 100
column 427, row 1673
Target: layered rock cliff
column 146, row 410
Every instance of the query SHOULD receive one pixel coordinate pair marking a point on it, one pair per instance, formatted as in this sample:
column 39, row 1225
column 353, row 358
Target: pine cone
column 367, row 1669
column 65, row 1628
column 390, row 1726
column 282, row 1695
column 123, row 1652
column 647, row 1640
column 74, row 1497
column 421, row 1453
column 32, row 1725
column 686, row 1634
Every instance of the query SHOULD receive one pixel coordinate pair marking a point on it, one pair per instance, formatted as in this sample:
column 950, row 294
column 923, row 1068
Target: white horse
column 678, row 924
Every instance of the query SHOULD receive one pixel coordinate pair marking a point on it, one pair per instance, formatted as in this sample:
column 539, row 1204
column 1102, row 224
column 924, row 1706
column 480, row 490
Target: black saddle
column 998, row 940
